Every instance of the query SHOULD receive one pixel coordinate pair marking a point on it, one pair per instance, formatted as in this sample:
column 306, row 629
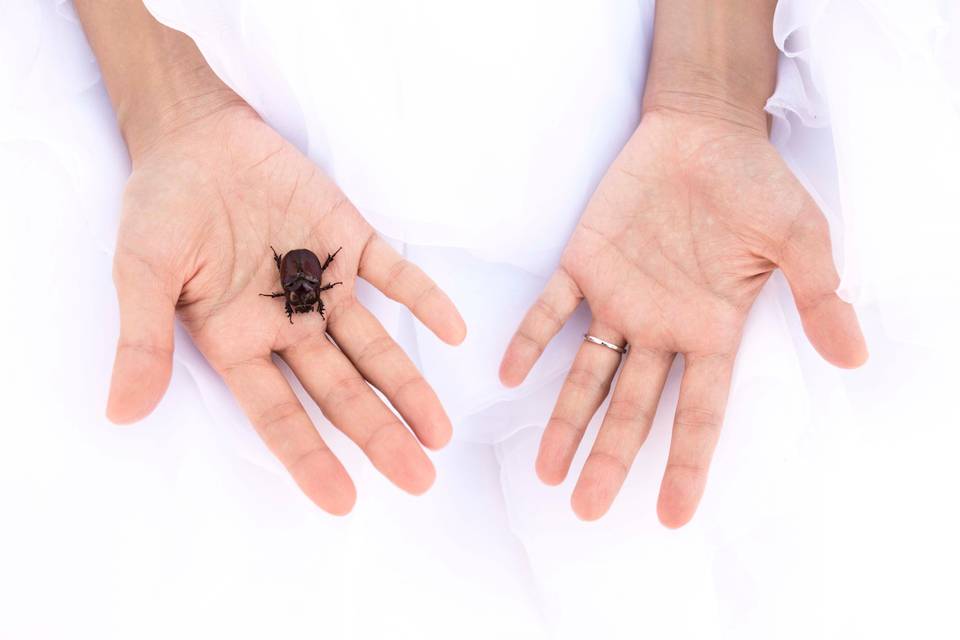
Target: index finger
column 545, row 318
column 401, row 280
column 387, row 367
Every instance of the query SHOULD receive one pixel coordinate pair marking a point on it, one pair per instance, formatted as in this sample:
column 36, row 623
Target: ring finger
column 584, row 390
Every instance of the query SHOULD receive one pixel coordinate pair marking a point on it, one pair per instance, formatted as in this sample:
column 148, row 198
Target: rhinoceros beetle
column 300, row 274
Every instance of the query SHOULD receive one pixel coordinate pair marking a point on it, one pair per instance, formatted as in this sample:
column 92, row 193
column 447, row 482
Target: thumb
column 830, row 323
column 144, row 359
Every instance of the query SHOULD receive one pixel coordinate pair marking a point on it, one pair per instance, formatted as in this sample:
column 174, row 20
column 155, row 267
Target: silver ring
column 602, row 342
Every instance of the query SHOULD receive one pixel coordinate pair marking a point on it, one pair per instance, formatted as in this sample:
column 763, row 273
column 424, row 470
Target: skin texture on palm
column 682, row 232
column 200, row 211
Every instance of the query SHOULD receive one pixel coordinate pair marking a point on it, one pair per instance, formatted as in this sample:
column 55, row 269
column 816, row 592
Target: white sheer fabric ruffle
column 472, row 136
column 857, row 69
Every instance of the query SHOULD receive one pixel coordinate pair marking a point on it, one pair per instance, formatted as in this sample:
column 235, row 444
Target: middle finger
column 350, row 404
column 381, row 361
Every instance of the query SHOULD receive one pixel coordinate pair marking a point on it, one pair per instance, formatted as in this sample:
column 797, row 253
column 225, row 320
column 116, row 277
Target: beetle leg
column 289, row 313
column 330, row 257
column 276, row 257
column 320, row 309
column 329, row 286
column 279, row 294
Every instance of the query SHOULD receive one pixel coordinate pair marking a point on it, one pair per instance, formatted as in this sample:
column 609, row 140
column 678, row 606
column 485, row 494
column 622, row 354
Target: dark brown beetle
column 300, row 273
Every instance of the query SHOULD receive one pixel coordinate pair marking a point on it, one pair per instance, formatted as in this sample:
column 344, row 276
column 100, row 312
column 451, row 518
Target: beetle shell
column 300, row 272
column 300, row 275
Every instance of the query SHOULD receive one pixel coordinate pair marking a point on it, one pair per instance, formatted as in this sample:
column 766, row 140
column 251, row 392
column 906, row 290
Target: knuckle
column 814, row 222
column 344, row 392
column 277, row 415
column 815, row 228
column 149, row 348
column 696, row 469
column 380, row 436
column 338, row 308
column 229, row 367
column 629, row 411
column 806, row 302
column 397, row 272
column 303, row 458
column 807, row 230
column 612, row 457
column 566, row 424
column 582, row 378
column 547, row 313
column 524, row 335
column 569, row 283
column 407, row 283
column 698, row 419
column 133, row 273
column 412, row 384
column 125, row 261
column 423, row 295
column 376, row 348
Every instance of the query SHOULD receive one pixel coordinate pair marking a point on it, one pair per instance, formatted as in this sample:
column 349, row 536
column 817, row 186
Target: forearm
column 156, row 76
column 713, row 57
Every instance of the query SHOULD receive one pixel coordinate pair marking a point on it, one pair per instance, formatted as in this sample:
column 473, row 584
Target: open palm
column 200, row 213
column 671, row 252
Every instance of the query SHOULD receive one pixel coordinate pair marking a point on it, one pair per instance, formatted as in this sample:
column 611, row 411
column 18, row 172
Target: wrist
column 156, row 76
column 714, row 59
column 172, row 96
column 704, row 92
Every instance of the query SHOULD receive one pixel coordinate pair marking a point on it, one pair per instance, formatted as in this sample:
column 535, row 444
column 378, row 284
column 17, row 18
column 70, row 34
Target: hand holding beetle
column 201, row 209
column 683, row 231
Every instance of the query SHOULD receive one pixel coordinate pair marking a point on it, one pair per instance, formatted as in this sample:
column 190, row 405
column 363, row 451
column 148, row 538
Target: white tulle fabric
column 472, row 135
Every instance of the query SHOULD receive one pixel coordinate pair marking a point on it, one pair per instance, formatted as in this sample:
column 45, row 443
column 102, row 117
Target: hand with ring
column 677, row 241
